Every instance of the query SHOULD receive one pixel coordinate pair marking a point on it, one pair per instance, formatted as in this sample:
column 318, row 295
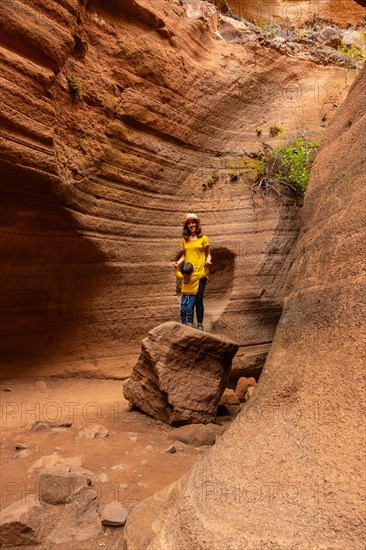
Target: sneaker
column 200, row 327
column 189, row 324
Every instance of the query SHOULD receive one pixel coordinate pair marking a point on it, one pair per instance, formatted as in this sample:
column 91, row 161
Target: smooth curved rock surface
column 290, row 471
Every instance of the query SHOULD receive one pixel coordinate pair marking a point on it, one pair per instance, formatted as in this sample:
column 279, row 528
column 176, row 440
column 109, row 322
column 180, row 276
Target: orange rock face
column 296, row 13
column 113, row 117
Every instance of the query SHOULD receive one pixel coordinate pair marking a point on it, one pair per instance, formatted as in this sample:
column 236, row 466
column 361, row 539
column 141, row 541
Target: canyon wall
column 290, row 471
column 113, row 118
column 297, row 13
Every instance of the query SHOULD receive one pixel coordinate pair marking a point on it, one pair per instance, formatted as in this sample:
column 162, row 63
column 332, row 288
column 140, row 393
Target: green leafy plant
column 302, row 34
column 75, row 88
column 234, row 175
column 258, row 131
column 285, row 170
column 355, row 53
column 261, row 23
column 276, row 131
column 213, row 179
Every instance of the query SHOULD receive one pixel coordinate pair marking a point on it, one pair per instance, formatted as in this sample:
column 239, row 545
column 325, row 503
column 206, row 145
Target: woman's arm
column 208, row 259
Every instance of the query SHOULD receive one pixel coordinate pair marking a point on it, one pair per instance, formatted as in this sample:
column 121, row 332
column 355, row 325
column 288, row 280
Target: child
column 190, row 285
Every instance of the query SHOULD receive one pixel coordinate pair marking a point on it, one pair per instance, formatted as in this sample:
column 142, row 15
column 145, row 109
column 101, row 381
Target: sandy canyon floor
column 130, row 464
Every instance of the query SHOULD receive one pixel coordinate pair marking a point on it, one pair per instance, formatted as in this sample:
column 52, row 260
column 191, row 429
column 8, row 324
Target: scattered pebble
column 93, row 432
column 118, row 467
column 42, row 425
column 171, row 449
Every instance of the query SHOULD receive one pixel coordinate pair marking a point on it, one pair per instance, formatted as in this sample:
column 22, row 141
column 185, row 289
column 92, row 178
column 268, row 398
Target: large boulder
column 181, row 374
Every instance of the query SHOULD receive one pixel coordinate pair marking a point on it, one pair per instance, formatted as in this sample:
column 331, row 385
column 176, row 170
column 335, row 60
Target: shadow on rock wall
column 220, row 283
column 49, row 275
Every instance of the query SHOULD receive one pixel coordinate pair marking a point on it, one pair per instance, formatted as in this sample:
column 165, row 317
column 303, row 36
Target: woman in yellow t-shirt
column 196, row 251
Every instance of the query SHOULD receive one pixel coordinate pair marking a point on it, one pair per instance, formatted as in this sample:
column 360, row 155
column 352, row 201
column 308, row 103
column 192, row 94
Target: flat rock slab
column 114, row 514
column 194, row 434
column 180, row 375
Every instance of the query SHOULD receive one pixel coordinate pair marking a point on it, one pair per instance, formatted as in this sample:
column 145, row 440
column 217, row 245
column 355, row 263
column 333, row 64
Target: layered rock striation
column 296, row 13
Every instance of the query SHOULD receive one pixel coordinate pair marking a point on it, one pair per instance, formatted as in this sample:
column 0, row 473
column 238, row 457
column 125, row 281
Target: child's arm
column 179, row 262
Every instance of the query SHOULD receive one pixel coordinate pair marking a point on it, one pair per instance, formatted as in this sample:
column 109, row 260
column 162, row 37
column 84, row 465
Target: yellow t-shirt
column 194, row 280
column 194, row 252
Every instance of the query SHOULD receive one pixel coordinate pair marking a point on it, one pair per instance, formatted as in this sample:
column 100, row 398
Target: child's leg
column 183, row 308
column 190, row 308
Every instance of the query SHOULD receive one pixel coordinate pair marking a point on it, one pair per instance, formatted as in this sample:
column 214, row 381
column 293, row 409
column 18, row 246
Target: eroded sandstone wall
column 290, row 471
column 296, row 13
column 94, row 188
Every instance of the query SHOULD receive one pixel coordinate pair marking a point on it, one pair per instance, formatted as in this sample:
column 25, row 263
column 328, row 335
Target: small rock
column 249, row 393
column 48, row 461
column 39, row 425
column 114, row 514
column 118, row 467
column 7, row 388
column 102, row 478
column 242, row 386
column 20, row 446
column 194, row 434
column 24, row 453
column 229, row 397
column 171, row 449
column 93, row 432
column 329, row 36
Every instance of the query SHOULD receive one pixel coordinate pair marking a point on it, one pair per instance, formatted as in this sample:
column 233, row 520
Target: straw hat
column 191, row 216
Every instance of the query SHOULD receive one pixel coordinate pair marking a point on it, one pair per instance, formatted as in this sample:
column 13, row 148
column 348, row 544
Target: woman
column 196, row 251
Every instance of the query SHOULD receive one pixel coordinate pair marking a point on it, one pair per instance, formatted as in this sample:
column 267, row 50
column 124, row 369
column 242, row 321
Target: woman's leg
column 199, row 300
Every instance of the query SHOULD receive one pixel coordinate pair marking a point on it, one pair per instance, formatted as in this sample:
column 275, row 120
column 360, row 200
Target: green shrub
column 276, row 131
column 75, row 88
column 213, row 179
column 355, row 53
column 285, row 170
